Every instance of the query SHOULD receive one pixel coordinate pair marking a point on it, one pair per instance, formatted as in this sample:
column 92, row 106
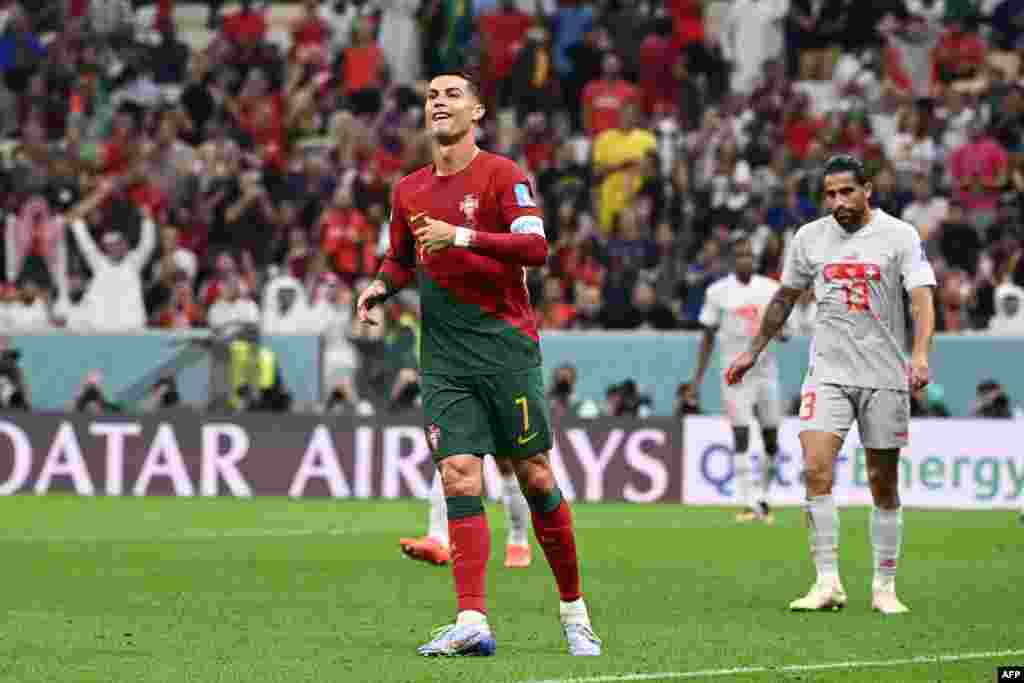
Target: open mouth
column 440, row 116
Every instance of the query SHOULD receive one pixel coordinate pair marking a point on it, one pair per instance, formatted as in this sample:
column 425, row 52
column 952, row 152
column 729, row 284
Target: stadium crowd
column 154, row 178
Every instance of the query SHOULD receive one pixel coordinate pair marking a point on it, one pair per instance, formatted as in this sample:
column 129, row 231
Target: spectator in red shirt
column 960, row 54
column 225, row 268
column 364, row 65
column 687, row 22
column 310, row 34
column 261, row 114
column 799, row 129
column 979, row 169
column 348, row 238
column 503, row 32
column 116, row 154
column 554, row 313
column 657, row 82
column 604, row 97
column 245, row 28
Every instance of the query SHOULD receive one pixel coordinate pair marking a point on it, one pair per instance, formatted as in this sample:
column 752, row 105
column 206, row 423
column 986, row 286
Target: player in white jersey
column 732, row 312
column 859, row 261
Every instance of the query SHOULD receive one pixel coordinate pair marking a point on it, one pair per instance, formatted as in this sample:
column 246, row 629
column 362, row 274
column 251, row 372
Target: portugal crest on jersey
column 469, row 205
column 433, row 436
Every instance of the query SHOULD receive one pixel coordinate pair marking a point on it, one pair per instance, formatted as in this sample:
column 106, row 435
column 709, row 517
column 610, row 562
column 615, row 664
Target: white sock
column 823, row 520
column 767, row 473
column 574, row 612
column 438, row 511
column 517, row 512
column 743, row 470
column 886, row 538
column 469, row 616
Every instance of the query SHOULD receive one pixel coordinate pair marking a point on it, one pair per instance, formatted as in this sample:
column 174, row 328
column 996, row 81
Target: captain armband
column 529, row 225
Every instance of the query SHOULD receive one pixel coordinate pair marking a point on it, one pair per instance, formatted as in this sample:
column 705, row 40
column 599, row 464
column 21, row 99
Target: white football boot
column 825, row 594
column 884, row 600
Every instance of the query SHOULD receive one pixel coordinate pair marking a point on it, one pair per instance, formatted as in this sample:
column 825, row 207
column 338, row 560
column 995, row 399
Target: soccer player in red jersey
column 466, row 227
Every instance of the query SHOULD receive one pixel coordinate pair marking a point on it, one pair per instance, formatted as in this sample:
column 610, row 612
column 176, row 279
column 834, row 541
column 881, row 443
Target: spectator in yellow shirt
column 618, row 162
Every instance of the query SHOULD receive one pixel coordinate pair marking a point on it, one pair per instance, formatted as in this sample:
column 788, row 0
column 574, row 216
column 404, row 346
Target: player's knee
column 771, row 440
column 884, row 486
column 741, row 439
column 535, row 476
column 818, row 473
column 461, row 476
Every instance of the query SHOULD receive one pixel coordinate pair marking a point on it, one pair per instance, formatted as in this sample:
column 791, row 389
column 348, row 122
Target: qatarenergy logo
column 984, row 478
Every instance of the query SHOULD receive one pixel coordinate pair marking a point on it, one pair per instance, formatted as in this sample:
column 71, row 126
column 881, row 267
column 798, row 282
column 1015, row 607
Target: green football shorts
column 504, row 414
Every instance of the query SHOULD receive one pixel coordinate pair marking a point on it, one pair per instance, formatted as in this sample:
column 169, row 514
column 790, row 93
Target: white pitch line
column 794, row 668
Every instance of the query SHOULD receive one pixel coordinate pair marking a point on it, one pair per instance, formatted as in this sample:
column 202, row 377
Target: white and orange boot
column 426, row 549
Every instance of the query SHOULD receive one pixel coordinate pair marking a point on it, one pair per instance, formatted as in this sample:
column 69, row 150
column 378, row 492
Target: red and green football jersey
column 477, row 317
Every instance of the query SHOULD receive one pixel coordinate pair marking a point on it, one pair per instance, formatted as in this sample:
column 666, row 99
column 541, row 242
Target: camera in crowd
column 165, row 393
column 91, row 398
column 13, row 392
column 564, row 382
column 992, row 401
column 625, row 400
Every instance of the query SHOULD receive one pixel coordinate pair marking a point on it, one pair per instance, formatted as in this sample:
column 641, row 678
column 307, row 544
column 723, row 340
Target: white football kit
column 858, row 368
column 735, row 309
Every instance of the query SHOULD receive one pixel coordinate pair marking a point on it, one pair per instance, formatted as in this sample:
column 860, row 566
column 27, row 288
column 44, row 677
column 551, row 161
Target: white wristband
column 463, row 237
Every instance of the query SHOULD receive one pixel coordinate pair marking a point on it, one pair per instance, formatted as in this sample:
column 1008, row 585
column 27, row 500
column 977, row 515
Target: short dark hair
column 845, row 163
column 473, row 86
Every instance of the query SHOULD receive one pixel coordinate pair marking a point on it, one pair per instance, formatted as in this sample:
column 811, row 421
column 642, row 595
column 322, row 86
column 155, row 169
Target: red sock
column 556, row 537
column 471, row 548
column 165, row 9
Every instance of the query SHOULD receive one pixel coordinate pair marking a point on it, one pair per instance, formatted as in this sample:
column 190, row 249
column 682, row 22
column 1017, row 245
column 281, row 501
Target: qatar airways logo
column 300, row 457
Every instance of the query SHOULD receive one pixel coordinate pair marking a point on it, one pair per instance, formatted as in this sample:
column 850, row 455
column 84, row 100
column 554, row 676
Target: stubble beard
column 448, row 139
column 852, row 221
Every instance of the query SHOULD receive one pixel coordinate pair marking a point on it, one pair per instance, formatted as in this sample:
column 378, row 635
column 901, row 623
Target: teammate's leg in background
column 462, row 476
column 433, row 547
column 769, row 415
column 552, row 524
column 820, row 449
column 743, row 471
column 770, row 436
column 517, row 514
column 886, row 527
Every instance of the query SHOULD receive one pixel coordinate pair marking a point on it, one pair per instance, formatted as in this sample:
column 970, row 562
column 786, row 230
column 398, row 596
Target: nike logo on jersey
column 523, row 440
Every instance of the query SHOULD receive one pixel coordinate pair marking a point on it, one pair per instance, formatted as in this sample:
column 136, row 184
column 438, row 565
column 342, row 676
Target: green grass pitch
column 219, row 591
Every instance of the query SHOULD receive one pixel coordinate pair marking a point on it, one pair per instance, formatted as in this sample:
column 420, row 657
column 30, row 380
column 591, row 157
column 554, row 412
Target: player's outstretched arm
column 396, row 270
column 922, row 311
column 707, row 345
column 775, row 316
